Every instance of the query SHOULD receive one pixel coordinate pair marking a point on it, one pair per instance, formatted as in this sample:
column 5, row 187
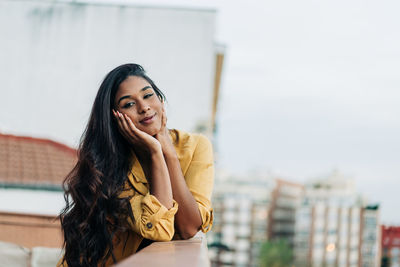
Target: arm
column 152, row 220
column 155, row 168
column 159, row 180
column 193, row 193
column 153, row 212
column 187, row 219
column 200, row 180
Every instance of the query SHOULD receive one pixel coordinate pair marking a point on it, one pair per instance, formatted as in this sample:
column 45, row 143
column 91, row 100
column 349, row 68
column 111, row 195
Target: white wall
column 53, row 56
column 40, row 201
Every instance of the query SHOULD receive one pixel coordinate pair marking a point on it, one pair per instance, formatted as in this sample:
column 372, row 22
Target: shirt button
column 149, row 225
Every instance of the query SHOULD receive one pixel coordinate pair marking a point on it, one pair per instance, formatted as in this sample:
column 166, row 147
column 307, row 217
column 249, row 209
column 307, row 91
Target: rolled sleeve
column 207, row 218
column 200, row 179
column 152, row 219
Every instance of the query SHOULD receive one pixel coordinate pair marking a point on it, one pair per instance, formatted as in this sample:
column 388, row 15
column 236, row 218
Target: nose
column 142, row 107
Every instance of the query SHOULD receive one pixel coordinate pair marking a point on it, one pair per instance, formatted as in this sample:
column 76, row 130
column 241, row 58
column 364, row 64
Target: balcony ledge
column 180, row 253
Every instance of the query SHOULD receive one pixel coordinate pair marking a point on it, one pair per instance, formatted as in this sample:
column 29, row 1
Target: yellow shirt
column 152, row 219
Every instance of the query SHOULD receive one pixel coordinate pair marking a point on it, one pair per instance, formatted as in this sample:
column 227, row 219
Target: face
column 137, row 99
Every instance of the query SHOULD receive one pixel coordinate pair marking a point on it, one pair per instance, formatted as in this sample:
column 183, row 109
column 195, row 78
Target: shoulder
column 191, row 147
column 189, row 141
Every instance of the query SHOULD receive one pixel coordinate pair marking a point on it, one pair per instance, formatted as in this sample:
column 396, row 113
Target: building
column 248, row 212
column 285, row 199
column 371, row 236
column 31, row 196
column 334, row 227
column 65, row 48
column 240, row 219
column 390, row 246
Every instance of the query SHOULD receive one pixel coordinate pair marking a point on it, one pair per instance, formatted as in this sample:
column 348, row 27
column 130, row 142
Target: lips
column 148, row 119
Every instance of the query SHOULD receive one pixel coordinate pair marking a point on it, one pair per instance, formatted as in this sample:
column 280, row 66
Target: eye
column 128, row 105
column 148, row 95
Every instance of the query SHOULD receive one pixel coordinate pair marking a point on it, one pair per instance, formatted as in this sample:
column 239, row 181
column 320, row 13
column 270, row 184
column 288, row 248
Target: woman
column 135, row 181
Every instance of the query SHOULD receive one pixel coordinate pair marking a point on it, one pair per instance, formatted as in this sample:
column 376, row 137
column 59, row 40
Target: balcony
column 35, row 240
column 179, row 253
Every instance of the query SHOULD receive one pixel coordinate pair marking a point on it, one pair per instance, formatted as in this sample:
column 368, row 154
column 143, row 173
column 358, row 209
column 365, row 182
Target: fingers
column 128, row 128
column 164, row 118
column 123, row 126
column 132, row 128
column 134, row 135
column 130, row 124
column 119, row 122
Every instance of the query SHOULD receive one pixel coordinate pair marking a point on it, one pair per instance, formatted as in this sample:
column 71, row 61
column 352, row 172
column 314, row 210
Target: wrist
column 167, row 147
column 170, row 153
column 156, row 150
column 156, row 156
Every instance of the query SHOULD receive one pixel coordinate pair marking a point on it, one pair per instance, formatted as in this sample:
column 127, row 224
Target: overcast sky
column 314, row 85
column 309, row 86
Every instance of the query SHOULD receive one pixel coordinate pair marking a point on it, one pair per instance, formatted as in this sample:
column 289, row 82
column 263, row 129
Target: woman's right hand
column 139, row 139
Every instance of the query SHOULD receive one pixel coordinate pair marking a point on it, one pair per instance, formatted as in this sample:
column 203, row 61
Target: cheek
column 133, row 119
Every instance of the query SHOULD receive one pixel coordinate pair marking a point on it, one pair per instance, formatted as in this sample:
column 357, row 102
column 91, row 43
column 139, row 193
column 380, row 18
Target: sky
column 308, row 87
column 312, row 86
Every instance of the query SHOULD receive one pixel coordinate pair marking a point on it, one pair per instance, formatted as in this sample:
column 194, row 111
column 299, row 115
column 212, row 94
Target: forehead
column 132, row 85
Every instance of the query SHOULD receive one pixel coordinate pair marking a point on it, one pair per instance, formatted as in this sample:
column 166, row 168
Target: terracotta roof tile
column 34, row 161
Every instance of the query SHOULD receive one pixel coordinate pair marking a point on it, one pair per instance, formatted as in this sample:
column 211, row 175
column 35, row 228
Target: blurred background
column 300, row 99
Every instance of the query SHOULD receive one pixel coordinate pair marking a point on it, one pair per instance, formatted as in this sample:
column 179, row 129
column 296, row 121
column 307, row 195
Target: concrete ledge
column 180, row 253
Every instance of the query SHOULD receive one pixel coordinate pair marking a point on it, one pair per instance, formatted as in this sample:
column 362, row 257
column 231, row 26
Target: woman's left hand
column 163, row 136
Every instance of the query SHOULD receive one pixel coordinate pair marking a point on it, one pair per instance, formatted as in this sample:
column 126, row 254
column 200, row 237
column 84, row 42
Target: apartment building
column 31, row 173
column 390, row 246
column 371, row 236
column 334, row 227
column 248, row 211
column 285, row 199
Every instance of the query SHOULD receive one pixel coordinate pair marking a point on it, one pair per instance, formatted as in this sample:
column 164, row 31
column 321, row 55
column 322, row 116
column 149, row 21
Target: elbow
column 159, row 232
column 164, row 238
column 159, row 235
column 188, row 233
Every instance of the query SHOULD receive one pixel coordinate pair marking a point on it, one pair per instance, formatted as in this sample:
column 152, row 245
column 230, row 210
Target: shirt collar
column 137, row 173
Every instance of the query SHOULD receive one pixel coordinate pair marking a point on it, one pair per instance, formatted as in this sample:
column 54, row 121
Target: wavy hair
column 94, row 212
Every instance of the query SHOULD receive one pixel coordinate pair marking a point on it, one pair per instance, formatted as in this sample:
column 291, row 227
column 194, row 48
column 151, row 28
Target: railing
column 180, row 253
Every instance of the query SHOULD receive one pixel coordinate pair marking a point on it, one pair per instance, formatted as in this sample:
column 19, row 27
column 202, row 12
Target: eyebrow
column 129, row 96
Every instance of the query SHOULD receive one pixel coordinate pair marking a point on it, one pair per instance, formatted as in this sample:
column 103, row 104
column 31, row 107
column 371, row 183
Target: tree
column 275, row 254
column 385, row 261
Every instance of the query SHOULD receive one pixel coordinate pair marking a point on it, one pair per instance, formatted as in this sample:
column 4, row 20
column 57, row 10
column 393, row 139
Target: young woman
column 135, row 181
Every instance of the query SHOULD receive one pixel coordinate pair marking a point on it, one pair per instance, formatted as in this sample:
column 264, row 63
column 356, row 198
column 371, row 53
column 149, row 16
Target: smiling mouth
column 148, row 120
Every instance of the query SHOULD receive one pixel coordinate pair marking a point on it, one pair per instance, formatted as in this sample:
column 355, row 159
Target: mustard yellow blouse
column 153, row 220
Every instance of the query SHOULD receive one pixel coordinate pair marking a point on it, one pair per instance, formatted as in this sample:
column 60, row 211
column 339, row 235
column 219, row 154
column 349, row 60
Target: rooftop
column 27, row 162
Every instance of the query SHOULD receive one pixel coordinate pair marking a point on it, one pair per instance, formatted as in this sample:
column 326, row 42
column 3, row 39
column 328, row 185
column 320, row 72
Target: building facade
column 371, row 237
column 64, row 49
column 334, row 227
column 241, row 208
column 248, row 212
column 285, row 199
column 31, row 196
column 390, row 246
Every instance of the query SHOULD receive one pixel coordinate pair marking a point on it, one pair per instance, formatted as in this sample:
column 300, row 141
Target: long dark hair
column 94, row 212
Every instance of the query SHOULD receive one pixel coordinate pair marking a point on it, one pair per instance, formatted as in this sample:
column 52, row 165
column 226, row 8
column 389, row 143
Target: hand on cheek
column 163, row 135
column 135, row 136
column 163, row 121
